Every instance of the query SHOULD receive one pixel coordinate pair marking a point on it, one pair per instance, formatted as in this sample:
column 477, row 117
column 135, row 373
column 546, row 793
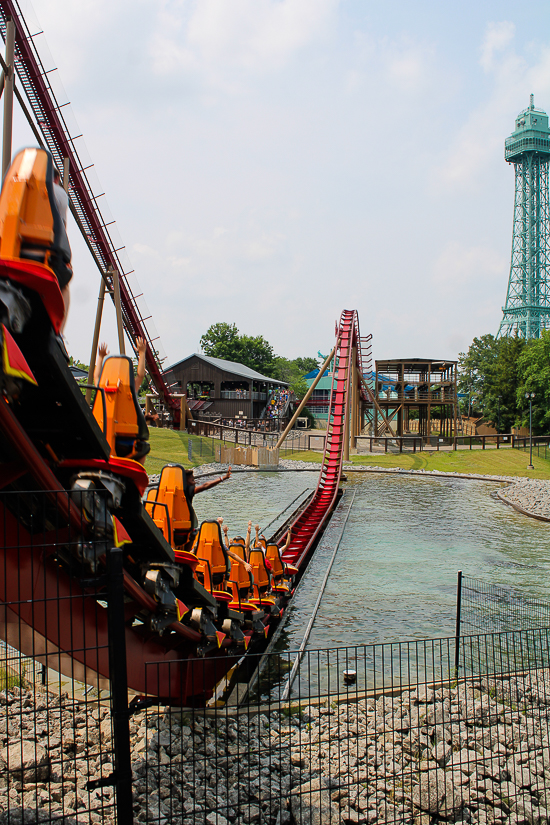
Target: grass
column 171, row 446
column 503, row 462
column 9, row 678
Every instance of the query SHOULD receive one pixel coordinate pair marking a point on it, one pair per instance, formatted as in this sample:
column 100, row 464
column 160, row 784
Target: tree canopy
column 223, row 340
column 490, row 375
column 497, row 373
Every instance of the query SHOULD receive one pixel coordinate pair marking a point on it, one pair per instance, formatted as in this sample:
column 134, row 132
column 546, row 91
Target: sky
column 273, row 162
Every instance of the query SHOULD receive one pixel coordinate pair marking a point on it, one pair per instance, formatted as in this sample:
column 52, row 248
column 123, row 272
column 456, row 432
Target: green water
column 259, row 497
column 395, row 574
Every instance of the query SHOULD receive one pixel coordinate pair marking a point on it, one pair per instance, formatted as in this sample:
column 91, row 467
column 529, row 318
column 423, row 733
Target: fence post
column 457, row 630
column 119, row 687
column 386, row 445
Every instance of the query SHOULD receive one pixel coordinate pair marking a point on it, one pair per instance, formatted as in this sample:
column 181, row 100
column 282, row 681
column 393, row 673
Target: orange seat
column 171, row 491
column 273, row 554
column 30, row 224
column 117, row 411
column 240, row 579
column 213, row 567
column 159, row 513
column 262, row 576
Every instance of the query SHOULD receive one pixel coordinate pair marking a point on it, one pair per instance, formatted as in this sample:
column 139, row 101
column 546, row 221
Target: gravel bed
column 473, row 753
column 476, row 752
column 530, row 494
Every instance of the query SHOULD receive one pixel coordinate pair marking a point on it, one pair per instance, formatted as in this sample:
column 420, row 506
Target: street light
column 530, row 396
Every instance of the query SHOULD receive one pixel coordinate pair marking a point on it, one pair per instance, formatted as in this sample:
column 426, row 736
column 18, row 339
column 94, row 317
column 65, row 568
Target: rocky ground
column 51, row 746
column 473, row 753
column 476, row 753
column 532, row 495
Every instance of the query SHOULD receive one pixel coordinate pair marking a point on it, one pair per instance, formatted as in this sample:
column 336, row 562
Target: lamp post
column 530, row 396
column 498, row 413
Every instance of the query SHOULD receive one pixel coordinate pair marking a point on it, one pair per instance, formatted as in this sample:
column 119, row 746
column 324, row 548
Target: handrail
column 83, row 202
column 308, row 524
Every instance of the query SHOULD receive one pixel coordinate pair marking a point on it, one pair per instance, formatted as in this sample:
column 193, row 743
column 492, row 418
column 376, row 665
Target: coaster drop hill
column 71, row 481
column 180, row 605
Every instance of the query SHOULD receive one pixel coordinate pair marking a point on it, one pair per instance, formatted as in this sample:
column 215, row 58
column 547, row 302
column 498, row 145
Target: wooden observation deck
column 411, row 392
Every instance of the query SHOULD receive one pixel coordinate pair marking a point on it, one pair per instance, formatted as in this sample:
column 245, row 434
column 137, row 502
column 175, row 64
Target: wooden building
column 414, row 394
column 215, row 387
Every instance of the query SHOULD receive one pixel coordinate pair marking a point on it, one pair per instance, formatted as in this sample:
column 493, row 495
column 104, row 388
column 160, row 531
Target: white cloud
column 511, row 79
column 497, row 38
column 407, row 65
column 255, row 35
column 460, row 267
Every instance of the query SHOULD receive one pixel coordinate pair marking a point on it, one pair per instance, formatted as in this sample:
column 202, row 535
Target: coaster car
column 117, row 411
column 34, row 262
column 281, row 572
column 213, row 570
column 168, row 505
column 262, row 597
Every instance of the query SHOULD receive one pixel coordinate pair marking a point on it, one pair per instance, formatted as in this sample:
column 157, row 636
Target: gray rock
column 436, row 794
column 311, row 805
column 27, row 761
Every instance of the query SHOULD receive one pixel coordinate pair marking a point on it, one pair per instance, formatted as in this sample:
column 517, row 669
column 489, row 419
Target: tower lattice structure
column 527, row 309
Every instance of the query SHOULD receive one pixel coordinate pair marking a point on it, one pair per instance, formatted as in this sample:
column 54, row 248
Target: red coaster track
column 56, row 137
column 310, row 522
column 45, row 606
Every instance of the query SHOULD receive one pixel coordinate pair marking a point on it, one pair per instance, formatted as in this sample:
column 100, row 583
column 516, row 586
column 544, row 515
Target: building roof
column 230, row 366
column 414, row 362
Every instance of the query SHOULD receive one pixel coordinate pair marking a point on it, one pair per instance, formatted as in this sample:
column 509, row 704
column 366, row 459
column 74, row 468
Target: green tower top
column 530, row 135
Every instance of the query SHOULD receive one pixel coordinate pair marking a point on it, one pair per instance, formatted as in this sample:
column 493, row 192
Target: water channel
column 394, row 577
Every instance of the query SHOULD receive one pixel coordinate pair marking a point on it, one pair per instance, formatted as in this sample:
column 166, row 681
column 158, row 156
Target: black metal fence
column 541, row 445
column 63, row 697
column 491, row 608
column 384, row 733
column 425, row 731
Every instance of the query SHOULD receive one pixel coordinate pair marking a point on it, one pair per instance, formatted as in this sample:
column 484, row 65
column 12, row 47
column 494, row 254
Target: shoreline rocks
column 530, row 494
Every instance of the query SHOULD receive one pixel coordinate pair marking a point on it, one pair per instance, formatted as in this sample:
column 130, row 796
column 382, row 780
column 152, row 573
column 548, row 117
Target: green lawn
column 172, row 446
column 503, row 462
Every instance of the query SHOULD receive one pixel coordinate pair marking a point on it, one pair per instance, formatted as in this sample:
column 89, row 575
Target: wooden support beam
column 377, row 406
column 306, row 398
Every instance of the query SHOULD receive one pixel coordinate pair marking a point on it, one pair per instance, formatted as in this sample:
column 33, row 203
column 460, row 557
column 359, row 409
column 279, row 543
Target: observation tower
column 527, row 309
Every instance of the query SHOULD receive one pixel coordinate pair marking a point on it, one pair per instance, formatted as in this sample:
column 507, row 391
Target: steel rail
column 309, row 628
column 273, row 520
column 306, row 528
column 57, row 138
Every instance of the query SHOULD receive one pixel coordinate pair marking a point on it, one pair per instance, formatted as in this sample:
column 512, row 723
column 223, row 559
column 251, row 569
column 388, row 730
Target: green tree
column 299, row 387
column 223, row 340
column 490, row 374
column 257, row 353
column 305, row 365
column 534, row 366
